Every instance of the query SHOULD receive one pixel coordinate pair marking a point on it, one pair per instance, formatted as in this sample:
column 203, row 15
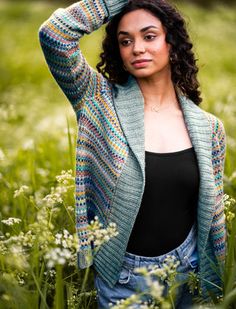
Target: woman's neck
column 160, row 92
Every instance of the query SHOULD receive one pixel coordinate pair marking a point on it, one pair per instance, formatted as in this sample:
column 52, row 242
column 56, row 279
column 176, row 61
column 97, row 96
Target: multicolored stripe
column 101, row 146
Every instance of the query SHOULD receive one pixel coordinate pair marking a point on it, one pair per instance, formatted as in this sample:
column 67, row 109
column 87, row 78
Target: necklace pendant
column 153, row 109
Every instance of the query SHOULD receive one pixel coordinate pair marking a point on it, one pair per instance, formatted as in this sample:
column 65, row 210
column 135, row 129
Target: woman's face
column 142, row 44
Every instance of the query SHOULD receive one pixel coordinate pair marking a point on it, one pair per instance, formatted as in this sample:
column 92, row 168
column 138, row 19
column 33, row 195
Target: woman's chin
column 141, row 74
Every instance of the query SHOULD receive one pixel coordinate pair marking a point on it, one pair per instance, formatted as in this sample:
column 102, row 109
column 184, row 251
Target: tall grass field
column 38, row 131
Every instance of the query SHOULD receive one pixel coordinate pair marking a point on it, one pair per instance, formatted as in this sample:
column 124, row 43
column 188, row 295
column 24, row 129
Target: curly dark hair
column 182, row 59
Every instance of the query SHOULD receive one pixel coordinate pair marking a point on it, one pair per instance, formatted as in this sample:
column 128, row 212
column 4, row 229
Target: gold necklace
column 155, row 109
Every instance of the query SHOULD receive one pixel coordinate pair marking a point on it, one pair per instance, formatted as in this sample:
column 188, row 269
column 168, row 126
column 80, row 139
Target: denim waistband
column 182, row 252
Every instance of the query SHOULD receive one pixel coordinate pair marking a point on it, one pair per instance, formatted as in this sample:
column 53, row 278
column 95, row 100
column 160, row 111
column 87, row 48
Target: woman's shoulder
column 218, row 130
column 216, row 123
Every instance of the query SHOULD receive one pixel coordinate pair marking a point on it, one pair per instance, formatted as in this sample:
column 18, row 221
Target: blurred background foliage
column 38, row 126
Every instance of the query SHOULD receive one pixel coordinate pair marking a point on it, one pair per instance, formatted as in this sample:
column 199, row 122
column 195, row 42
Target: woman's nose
column 138, row 47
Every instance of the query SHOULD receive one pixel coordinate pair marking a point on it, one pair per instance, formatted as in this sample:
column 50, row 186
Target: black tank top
column 169, row 204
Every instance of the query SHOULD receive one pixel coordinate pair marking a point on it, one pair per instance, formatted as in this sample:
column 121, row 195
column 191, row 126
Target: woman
column 147, row 157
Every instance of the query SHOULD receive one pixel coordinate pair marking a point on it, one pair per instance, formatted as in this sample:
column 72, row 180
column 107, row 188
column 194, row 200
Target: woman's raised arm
column 59, row 38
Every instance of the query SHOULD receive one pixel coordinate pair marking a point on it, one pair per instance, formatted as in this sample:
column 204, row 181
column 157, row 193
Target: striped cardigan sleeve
column 59, row 38
column 218, row 158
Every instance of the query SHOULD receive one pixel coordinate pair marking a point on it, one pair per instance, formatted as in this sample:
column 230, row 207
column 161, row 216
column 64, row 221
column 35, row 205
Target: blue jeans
column 130, row 282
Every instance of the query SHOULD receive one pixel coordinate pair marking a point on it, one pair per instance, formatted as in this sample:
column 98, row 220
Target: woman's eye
column 125, row 42
column 150, row 37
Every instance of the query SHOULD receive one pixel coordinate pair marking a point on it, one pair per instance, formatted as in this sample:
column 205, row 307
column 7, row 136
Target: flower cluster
column 126, row 303
column 23, row 189
column 43, row 229
column 65, row 182
column 50, row 272
column 21, row 276
column 11, row 221
column 229, row 209
column 26, row 240
column 17, row 255
column 66, row 240
column 99, row 235
column 56, row 248
column 166, row 272
column 66, row 178
column 194, row 282
column 16, row 244
column 170, row 265
column 55, row 197
column 66, row 246
column 57, row 256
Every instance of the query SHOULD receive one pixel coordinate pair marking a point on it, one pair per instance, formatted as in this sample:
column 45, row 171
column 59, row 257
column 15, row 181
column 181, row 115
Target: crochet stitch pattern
column 103, row 152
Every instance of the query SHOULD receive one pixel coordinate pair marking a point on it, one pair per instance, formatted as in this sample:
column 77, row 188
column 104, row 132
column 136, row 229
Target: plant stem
column 39, row 290
column 59, row 296
column 84, row 284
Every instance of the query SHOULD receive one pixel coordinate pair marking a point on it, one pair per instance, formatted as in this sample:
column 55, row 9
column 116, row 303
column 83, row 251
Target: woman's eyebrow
column 141, row 30
column 147, row 28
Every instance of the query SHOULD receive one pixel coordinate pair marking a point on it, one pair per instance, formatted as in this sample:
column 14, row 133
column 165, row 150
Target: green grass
column 38, row 131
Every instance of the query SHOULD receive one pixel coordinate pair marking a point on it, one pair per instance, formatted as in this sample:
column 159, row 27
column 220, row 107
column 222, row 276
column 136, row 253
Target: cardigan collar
column 129, row 105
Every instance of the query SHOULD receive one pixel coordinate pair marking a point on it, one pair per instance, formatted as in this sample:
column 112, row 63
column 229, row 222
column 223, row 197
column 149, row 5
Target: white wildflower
column 66, row 178
column 16, row 249
column 71, row 208
column 20, row 276
column 2, row 155
column 53, row 198
column 64, row 244
column 65, row 183
column 3, row 248
column 229, row 209
column 166, row 271
column 66, row 240
column 20, row 191
column 50, row 272
column 21, row 281
column 99, row 235
column 66, row 233
column 17, row 244
column 28, row 144
column 57, row 256
column 159, row 272
column 156, row 289
column 58, row 239
column 11, row 221
column 134, row 299
column 42, row 172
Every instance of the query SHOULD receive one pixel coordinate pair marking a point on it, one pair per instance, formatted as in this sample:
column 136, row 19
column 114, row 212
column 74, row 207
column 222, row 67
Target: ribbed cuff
column 115, row 6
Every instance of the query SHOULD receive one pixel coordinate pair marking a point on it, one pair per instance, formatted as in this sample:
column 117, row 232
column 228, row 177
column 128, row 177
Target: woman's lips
column 141, row 63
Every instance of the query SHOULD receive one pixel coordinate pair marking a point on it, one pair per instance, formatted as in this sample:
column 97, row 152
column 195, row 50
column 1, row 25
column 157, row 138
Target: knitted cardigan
column 110, row 153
